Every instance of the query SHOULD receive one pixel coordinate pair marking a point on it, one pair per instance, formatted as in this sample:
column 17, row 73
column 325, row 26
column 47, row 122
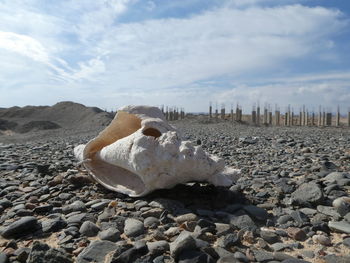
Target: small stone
column 242, row 222
column 241, row 257
column 336, row 259
column 296, row 233
column 42, row 253
column 158, row 247
column 96, row 251
column 133, row 227
column 186, row 217
column 21, row 227
column 256, row 212
column 3, row 258
column 110, row 234
column 151, row 222
column 307, row 193
column 328, row 210
column 342, row 205
column 194, row 256
column 77, row 206
column 182, row 242
column 228, row 259
column 228, row 241
column 321, row 239
column 89, row 229
column 346, row 242
column 53, row 225
column 262, row 256
column 295, row 260
column 341, row 226
column 269, row 236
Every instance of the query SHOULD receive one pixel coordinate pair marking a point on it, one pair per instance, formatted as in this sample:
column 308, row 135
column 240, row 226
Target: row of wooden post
column 173, row 113
column 305, row 118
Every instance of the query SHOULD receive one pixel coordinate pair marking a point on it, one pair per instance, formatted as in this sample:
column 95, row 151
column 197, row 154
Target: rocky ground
column 291, row 203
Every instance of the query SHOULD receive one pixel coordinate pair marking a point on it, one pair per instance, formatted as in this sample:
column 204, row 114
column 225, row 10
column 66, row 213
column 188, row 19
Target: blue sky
column 185, row 53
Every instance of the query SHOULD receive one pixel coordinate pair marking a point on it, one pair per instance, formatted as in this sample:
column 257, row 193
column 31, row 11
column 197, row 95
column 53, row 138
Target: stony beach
column 291, row 203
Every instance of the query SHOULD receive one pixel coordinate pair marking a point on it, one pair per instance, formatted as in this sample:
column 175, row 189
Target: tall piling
column 258, row 115
column 337, row 117
column 210, row 111
column 222, row 112
column 254, row 115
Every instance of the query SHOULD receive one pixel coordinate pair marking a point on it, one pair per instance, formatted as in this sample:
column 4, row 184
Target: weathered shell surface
column 140, row 152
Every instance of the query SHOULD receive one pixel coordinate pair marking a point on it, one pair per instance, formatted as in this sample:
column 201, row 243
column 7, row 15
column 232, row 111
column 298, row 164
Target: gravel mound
column 291, row 203
column 40, row 121
column 37, row 125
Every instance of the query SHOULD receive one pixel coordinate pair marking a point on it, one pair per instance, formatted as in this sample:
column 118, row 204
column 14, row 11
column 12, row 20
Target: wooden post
column 286, row 118
column 258, row 115
column 232, row 113
column 349, row 118
column 329, row 119
column 323, row 118
column 222, row 111
column 254, row 115
column 313, row 119
column 292, row 118
column 277, row 117
column 167, row 113
column 210, row 111
column 265, row 116
column 237, row 113
column 240, row 114
column 337, row 117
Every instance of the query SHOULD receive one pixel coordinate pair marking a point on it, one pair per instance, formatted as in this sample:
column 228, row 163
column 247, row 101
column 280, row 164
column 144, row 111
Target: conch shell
column 140, row 152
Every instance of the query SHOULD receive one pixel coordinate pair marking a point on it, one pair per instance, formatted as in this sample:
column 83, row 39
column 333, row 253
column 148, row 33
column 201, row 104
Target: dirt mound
column 37, row 126
column 68, row 115
column 7, row 125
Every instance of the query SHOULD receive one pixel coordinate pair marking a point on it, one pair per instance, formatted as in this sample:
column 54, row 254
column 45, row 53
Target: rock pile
column 290, row 205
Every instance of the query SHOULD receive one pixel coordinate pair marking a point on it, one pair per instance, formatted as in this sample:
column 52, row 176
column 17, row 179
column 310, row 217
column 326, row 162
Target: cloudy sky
column 110, row 53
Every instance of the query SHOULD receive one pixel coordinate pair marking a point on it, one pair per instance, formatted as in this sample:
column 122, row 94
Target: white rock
column 140, row 152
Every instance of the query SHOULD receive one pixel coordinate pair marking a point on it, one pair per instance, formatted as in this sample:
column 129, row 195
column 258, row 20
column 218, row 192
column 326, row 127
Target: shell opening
column 152, row 132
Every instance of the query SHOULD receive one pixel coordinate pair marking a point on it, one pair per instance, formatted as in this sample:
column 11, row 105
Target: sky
column 183, row 53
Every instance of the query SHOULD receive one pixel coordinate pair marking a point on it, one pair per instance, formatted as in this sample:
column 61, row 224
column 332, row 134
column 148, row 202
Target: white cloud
column 76, row 45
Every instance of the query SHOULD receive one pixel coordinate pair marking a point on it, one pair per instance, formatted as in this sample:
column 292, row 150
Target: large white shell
column 140, row 152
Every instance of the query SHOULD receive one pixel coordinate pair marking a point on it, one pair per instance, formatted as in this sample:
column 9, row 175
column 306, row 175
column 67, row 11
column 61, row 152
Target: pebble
column 133, row 227
column 340, row 226
column 110, row 234
column 158, row 247
column 182, row 242
column 96, row 251
column 321, row 239
column 307, row 193
column 21, row 227
column 42, row 253
column 89, row 229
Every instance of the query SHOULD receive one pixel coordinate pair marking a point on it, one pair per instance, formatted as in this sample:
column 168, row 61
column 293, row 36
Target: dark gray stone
column 21, row 227
column 194, row 256
column 228, row 241
column 262, row 256
column 89, row 229
column 111, row 234
column 96, row 251
column 242, row 222
column 42, row 253
column 157, row 248
column 133, row 227
column 269, row 236
column 182, row 242
column 256, row 212
column 3, row 258
column 295, row 260
column 53, row 225
column 336, row 259
column 346, row 242
column 151, row 222
column 341, row 226
column 77, row 206
column 307, row 193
